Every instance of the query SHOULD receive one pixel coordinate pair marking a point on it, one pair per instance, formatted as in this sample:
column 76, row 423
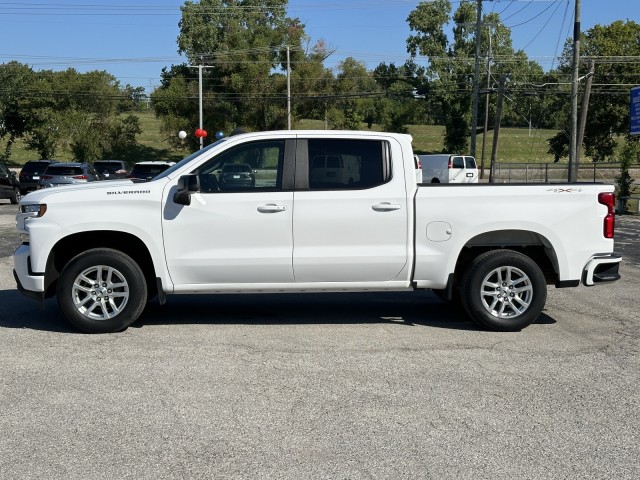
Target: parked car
column 9, row 184
column 237, row 175
column 448, row 168
column 148, row 170
column 112, row 169
column 68, row 174
column 30, row 174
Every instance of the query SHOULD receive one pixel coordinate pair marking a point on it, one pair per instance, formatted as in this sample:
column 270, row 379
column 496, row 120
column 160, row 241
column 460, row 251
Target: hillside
column 516, row 144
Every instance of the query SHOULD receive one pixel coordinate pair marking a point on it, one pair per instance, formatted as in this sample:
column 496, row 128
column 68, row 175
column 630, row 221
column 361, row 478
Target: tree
column 68, row 110
column 608, row 114
column 451, row 62
column 243, row 41
column 403, row 87
column 15, row 79
column 630, row 154
column 353, row 84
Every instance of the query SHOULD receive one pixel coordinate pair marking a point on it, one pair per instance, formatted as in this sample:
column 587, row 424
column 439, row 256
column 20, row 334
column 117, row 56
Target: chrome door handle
column 386, row 207
column 272, row 208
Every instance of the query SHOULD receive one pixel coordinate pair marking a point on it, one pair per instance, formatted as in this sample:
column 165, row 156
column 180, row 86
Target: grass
column 516, row 145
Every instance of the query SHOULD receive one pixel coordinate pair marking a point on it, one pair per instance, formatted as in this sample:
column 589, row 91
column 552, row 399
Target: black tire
column 116, row 302
column 503, row 290
column 15, row 198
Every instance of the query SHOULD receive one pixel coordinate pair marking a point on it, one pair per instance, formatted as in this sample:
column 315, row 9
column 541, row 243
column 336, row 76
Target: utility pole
column 486, row 109
column 496, row 128
column 584, row 110
column 288, row 91
column 476, row 80
column 200, row 95
column 573, row 158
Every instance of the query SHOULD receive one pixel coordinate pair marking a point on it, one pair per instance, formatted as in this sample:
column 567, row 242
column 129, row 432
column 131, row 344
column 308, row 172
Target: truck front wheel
column 503, row 290
column 102, row 291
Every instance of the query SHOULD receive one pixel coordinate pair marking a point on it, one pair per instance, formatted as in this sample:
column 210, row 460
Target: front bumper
column 601, row 268
column 28, row 282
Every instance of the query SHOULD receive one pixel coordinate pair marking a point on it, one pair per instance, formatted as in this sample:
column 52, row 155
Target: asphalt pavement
column 356, row 386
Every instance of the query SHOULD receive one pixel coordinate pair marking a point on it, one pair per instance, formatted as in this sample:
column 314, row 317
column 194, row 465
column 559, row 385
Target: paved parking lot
column 323, row 386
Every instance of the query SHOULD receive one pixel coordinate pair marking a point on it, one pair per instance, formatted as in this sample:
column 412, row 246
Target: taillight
column 450, row 163
column 608, row 200
column 80, row 177
column 46, row 177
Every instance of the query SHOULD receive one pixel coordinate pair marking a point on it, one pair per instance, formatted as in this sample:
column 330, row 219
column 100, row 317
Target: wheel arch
column 532, row 244
column 70, row 246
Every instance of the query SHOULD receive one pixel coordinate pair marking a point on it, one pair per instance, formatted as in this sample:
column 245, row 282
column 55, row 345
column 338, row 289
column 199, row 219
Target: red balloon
column 201, row 133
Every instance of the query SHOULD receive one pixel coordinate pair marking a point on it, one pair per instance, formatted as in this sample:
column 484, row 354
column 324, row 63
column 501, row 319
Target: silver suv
column 68, row 174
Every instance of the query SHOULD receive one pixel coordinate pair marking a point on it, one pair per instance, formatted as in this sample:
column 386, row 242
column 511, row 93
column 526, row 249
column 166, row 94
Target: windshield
column 34, row 167
column 150, row 170
column 188, row 159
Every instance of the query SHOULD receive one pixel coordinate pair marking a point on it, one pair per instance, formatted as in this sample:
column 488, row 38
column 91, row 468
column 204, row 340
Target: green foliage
column 608, row 113
column 243, row 41
column 451, row 64
column 630, row 154
column 558, row 146
column 14, row 79
column 54, row 111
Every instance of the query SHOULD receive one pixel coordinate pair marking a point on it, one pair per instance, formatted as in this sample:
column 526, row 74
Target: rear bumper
column 601, row 268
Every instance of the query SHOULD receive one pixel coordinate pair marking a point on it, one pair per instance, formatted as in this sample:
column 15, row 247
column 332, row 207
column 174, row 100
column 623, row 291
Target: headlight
column 35, row 209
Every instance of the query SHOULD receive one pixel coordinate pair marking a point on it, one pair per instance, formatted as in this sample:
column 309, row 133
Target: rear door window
column 347, row 164
column 470, row 162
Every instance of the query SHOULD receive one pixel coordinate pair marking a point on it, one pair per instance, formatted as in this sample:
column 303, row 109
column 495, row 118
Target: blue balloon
column 219, row 135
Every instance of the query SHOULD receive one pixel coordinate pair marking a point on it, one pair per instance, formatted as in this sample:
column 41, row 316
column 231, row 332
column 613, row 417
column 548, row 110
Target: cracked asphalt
column 324, row 386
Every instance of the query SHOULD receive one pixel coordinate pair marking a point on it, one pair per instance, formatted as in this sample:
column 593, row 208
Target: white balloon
column 182, row 134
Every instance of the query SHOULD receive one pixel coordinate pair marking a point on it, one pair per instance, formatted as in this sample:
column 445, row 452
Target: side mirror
column 187, row 184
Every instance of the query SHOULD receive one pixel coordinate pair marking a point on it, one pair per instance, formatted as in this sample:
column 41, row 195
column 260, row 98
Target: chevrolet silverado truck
column 296, row 225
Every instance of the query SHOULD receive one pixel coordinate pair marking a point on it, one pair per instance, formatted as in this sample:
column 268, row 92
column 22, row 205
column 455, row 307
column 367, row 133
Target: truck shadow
column 18, row 311
column 406, row 308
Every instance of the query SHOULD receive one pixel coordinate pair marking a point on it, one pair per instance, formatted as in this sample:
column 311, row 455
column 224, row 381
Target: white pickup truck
column 105, row 248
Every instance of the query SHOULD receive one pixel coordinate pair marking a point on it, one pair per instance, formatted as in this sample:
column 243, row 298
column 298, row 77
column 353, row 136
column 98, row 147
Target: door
column 457, row 171
column 236, row 230
column 471, row 169
column 350, row 229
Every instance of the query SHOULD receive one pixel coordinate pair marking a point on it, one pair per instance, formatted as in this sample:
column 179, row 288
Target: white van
column 335, row 170
column 448, row 168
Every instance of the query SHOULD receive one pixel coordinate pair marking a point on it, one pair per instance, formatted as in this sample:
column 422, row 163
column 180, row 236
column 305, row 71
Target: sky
column 134, row 39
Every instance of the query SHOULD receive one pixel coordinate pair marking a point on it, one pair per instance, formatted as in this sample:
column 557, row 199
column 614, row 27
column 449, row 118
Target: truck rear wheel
column 102, row 291
column 503, row 290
